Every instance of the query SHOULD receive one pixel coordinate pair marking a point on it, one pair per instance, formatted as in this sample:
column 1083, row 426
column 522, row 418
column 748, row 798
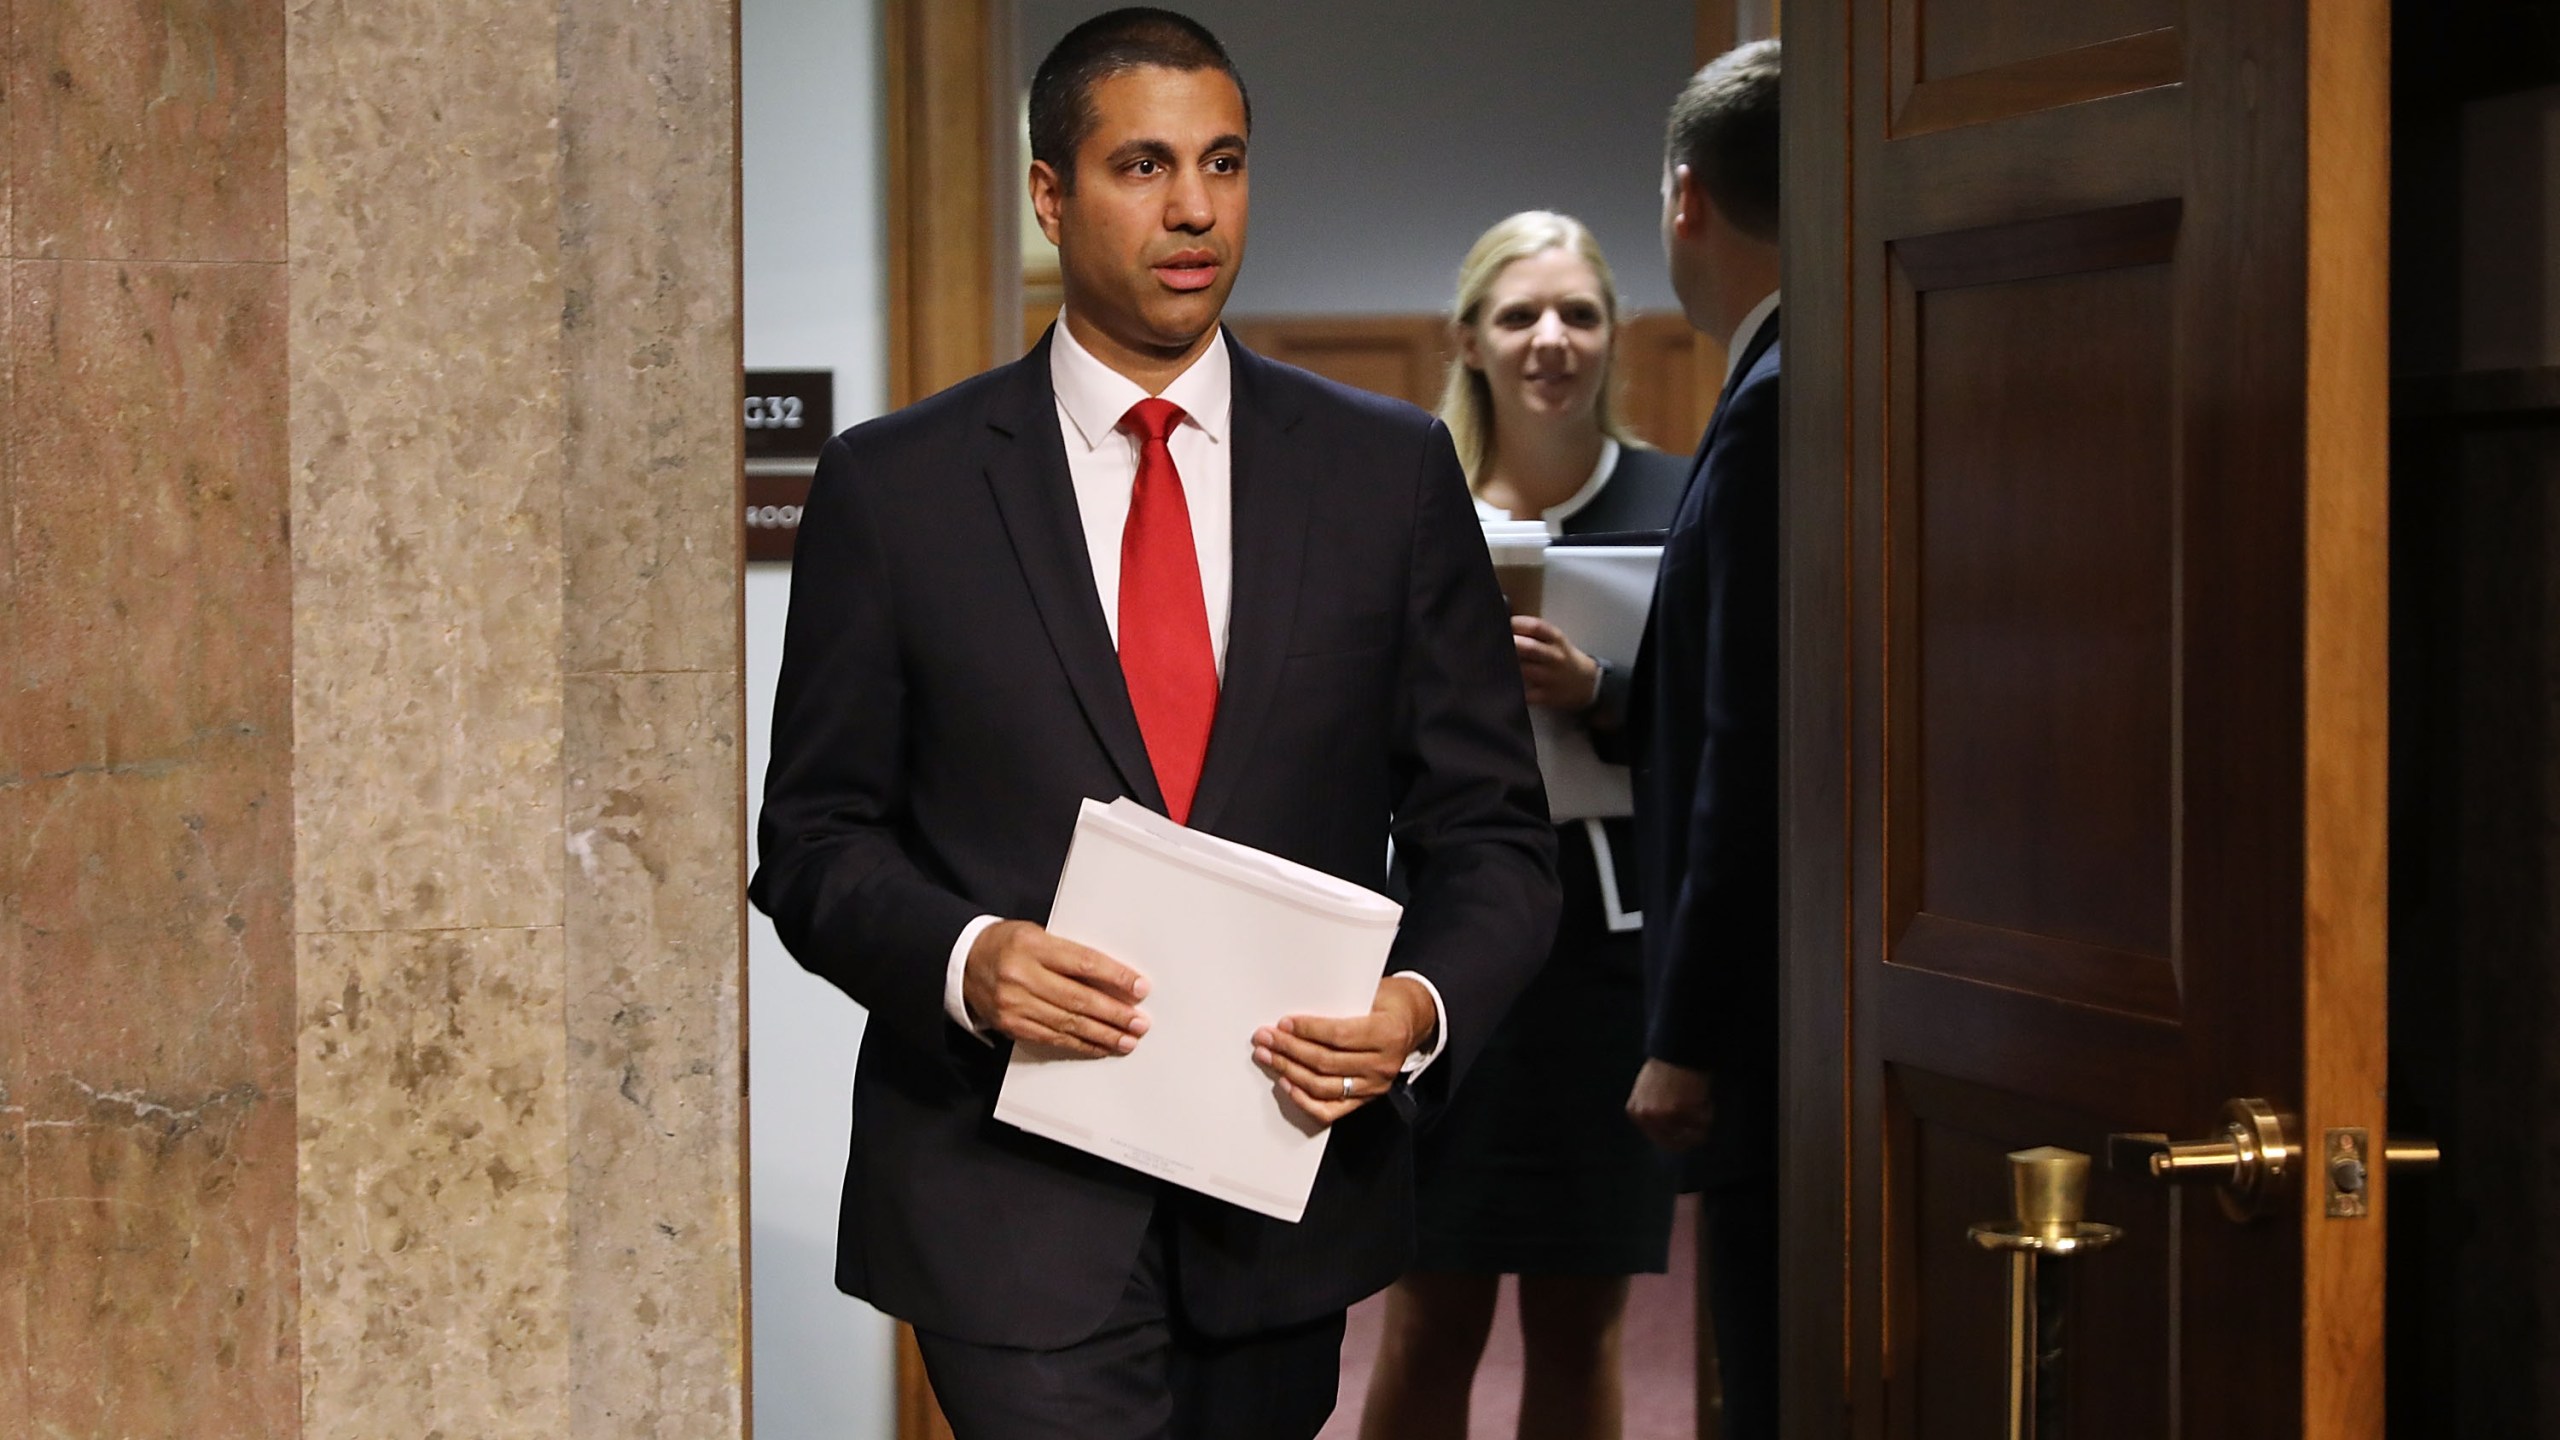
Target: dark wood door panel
column 2045, row 82
column 2143, row 987
column 2071, row 161
column 2070, row 243
column 2039, row 585
column 1999, row 1036
column 1949, row 1296
column 1940, row 39
column 2030, row 759
column 1957, row 63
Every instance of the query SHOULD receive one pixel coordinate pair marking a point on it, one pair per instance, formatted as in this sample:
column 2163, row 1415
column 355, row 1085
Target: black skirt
column 1533, row 1168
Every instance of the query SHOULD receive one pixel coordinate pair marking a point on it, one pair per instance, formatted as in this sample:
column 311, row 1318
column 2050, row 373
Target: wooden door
column 2086, row 593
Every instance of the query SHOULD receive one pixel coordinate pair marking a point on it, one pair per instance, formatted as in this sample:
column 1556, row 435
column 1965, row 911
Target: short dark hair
column 1062, row 113
column 1724, row 127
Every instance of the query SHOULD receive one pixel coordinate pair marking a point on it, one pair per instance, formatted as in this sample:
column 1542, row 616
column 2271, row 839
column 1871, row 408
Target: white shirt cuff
column 1420, row 1060
column 955, row 1000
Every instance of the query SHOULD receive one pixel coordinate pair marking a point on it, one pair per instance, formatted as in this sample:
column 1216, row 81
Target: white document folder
column 1230, row 939
column 1598, row 595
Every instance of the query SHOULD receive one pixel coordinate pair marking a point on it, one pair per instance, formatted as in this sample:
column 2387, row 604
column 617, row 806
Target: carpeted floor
column 1661, row 1354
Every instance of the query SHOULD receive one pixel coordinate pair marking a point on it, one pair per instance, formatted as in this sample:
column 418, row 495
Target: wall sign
column 773, row 513
column 790, row 413
column 789, row 416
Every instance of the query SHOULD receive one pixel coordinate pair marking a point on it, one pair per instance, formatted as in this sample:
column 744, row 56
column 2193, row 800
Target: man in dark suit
column 1142, row 561
column 1703, row 729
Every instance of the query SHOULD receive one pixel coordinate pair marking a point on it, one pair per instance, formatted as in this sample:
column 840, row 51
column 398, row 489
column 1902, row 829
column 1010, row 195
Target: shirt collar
column 1094, row 397
column 1748, row 331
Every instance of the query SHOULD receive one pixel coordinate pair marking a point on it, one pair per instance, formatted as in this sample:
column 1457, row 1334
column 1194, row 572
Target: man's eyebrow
column 1134, row 150
column 1223, row 142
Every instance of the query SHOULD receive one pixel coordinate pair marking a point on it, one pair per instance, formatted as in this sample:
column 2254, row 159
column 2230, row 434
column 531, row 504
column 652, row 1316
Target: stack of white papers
column 1231, row 940
column 1598, row 596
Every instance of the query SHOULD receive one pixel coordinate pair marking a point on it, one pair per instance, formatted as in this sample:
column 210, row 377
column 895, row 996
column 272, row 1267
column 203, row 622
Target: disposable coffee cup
column 1519, row 563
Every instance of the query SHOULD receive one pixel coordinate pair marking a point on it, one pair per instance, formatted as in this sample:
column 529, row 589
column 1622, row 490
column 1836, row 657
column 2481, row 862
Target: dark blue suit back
column 1704, row 731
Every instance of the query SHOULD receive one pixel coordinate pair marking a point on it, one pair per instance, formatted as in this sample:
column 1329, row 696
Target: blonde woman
column 1534, row 1169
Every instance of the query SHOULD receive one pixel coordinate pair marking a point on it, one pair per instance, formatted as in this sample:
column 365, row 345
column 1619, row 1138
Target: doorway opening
column 2475, row 644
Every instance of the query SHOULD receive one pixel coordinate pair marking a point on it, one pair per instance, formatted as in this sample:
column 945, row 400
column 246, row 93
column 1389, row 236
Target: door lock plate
column 2346, row 1172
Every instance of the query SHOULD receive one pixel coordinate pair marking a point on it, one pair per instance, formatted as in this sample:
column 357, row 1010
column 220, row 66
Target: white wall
column 814, row 300
column 816, row 240
column 1387, row 134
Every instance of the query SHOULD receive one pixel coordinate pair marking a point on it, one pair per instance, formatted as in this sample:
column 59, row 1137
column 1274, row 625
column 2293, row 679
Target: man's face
column 1150, row 240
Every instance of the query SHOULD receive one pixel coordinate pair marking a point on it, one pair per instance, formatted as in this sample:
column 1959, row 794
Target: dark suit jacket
column 1703, row 729
column 949, row 692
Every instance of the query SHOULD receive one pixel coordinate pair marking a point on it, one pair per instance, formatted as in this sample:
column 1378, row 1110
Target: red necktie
column 1164, row 624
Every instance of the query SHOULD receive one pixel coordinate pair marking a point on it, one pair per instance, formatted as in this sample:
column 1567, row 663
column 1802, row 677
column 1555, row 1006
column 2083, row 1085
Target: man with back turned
column 1141, row 561
column 1703, row 731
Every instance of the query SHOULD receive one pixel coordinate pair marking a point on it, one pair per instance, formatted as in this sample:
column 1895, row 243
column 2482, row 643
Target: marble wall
column 369, row 740
column 654, row 737
column 147, row 1093
column 517, row 701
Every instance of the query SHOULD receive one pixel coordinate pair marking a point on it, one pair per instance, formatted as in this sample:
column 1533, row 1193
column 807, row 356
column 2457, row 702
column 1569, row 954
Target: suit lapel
column 1027, row 470
column 1268, row 485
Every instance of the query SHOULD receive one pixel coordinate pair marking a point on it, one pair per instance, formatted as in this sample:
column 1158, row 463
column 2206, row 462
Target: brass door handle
column 2253, row 1160
column 2257, row 1156
column 2401, row 1155
column 2410, row 1153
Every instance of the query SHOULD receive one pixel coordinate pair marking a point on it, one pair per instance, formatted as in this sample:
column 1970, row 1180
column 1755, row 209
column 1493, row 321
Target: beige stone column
column 516, row 688
column 370, row 767
column 654, row 695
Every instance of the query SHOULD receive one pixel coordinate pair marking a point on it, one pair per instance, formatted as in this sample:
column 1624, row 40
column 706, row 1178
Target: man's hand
column 1037, row 989
column 1311, row 1057
column 1670, row 1104
column 1555, row 674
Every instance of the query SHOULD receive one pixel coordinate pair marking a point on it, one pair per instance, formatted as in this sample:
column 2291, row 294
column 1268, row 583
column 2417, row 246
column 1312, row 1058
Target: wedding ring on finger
column 1346, row 1087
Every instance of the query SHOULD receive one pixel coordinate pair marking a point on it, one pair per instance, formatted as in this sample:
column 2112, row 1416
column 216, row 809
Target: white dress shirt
column 1102, row 460
column 1748, row 331
column 1102, row 463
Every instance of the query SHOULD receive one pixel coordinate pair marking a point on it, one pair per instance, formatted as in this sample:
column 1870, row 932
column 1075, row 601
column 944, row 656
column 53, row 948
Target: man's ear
column 1048, row 198
column 1693, row 209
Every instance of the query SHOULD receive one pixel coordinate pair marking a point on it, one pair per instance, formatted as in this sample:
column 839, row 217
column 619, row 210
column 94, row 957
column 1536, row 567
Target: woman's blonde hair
column 1466, row 400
